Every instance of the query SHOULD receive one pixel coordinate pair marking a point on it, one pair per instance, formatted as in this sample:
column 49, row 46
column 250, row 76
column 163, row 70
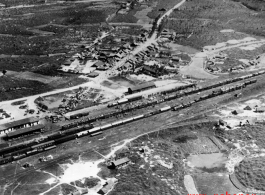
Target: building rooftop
column 18, row 123
column 25, row 131
column 121, row 161
column 142, row 86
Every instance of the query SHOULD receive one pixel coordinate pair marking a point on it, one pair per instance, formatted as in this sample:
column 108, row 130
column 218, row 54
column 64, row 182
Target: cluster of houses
column 102, row 56
column 215, row 60
column 104, row 53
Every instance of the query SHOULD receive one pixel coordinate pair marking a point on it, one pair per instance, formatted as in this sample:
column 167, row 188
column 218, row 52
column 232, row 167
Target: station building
column 23, row 123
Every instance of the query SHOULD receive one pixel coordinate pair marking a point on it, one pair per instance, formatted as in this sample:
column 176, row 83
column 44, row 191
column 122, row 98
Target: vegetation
column 256, row 5
column 199, row 22
column 250, row 172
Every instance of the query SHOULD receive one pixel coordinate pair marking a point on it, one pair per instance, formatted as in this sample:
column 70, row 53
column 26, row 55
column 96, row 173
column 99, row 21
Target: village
column 130, row 97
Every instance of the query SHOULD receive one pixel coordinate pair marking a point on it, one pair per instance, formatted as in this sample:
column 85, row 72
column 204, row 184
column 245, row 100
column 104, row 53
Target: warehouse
column 77, row 113
column 25, row 131
column 141, row 87
column 27, row 122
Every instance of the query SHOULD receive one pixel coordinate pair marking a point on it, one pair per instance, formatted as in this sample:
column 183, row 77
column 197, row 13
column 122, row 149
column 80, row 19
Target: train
column 23, row 150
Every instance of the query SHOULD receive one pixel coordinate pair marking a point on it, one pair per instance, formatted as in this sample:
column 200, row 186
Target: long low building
column 25, row 131
column 141, row 87
column 27, row 122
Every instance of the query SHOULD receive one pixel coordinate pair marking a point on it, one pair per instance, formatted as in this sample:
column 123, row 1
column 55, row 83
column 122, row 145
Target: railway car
column 6, row 160
column 165, row 109
column 22, row 151
column 253, row 81
column 50, row 147
column 127, row 120
column 262, row 72
column 7, row 150
column 82, row 133
column 42, row 145
column 95, row 129
column 19, row 156
column 156, row 112
column 32, row 152
column 117, row 123
column 112, row 104
column 55, row 135
column 148, row 114
column 105, row 127
column 122, row 101
column 95, row 134
column 65, row 139
column 177, row 107
column 138, row 117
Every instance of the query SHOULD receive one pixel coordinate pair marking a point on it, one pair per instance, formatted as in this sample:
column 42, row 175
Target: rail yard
column 73, row 130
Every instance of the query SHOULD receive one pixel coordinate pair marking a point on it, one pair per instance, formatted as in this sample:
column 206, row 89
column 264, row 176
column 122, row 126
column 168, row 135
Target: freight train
column 23, row 150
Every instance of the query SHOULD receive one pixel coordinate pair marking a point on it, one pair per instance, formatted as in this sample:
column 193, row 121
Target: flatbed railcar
column 65, row 139
column 42, row 145
column 95, row 134
column 50, row 147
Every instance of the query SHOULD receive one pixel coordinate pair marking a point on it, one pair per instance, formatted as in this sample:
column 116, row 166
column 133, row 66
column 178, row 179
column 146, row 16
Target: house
column 67, row 63
column 25, row 131
column 92, row 74
column 175, row 58
column 103, row 68
column 247, row 108
column 27, row 122
column 98, row 63
column 108, row 186
column 120, row 162
column 222, row 123
column 260, row 109
column 236, row 112
column 141, row 87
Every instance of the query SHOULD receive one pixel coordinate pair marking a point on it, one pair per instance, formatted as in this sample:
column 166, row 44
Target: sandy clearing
column 261, row 60
column 32, row 76
column 233, row 41
column 142, row 77
column 245, row 61
column 180, row 48
column 196, row 68
column 227, row 31
column 189, row 184
column 85, row 169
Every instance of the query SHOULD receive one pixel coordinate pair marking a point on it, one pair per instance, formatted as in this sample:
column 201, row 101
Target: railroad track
column 97, row 130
